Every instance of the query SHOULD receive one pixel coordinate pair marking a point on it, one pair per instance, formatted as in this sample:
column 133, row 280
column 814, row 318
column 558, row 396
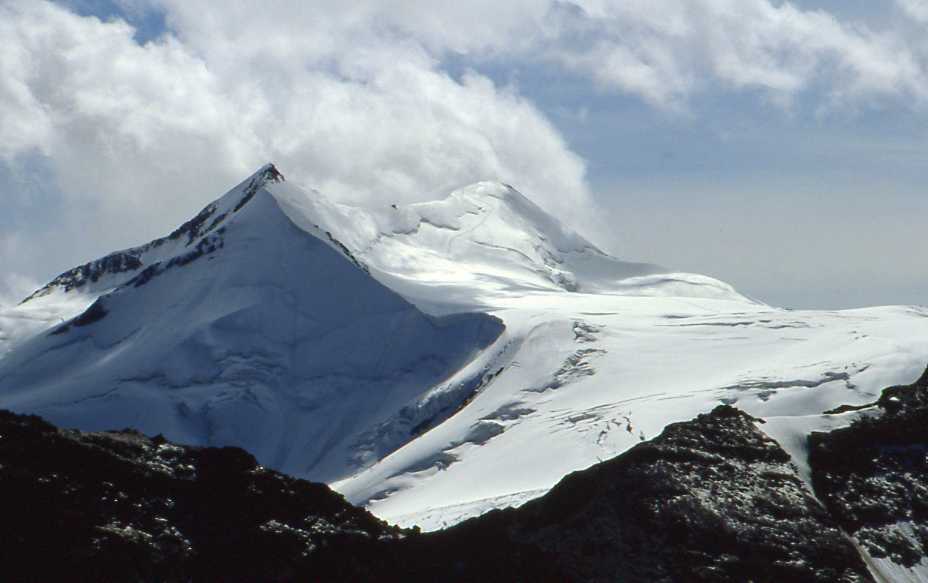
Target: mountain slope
column 242, row 330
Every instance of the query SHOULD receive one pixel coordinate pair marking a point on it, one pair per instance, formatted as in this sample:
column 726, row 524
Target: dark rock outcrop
column 873, row 475
column 713, row 499
column 123, row 507
column 120, row 262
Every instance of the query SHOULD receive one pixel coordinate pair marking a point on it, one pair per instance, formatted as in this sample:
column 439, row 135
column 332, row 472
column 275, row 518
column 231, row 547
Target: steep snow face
column 255, row 333
column 75, row 290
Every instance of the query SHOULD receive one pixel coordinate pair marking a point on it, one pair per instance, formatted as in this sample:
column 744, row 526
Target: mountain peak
column 269, row 173
column 243, row 327
column 106, row 273
column 512, row 205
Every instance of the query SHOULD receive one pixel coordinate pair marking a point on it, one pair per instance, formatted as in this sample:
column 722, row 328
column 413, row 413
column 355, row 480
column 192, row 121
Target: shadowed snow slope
column 245, row 330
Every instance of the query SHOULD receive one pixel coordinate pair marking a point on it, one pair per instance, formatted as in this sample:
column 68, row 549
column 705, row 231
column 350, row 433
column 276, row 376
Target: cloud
column 663, row 51
column 138, row 136
column 356, row 99
column 667, row 51
column 916, row 9
column 15, row 288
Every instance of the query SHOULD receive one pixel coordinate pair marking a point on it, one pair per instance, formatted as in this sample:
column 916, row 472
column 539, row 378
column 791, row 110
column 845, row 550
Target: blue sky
column 779, row 147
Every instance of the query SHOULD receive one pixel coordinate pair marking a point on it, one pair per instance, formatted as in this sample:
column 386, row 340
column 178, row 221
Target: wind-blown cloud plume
column 139, row 136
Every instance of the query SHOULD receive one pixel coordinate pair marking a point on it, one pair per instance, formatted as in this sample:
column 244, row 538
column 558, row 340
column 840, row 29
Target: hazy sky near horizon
column 779, row 146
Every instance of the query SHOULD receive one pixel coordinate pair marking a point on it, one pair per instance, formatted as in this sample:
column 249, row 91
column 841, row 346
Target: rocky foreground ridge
column 873, row 478
column 712, row 499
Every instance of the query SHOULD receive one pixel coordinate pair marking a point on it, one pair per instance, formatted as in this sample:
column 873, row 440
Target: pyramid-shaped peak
column 269, row 173
column 268, row 335
column 243, row 193
column 191, row 239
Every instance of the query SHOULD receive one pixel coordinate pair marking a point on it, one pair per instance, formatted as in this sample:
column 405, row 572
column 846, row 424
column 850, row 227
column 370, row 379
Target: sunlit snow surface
column 597, row 353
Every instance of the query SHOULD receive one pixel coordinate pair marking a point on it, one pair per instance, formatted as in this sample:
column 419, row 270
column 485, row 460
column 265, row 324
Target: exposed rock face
column 119, row 262
column 713, row 499
column 123, row 507
column 873, row 476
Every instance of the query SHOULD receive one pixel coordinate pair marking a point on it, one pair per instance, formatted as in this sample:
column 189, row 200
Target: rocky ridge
column 873, row 477
column 712, row 499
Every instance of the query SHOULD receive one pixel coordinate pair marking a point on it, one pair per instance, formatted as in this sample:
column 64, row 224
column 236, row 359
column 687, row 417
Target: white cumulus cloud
column 917, row 9
column 138, row 136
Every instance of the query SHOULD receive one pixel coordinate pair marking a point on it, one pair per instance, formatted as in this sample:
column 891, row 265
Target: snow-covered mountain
column 240, row 329
column 278, row 320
